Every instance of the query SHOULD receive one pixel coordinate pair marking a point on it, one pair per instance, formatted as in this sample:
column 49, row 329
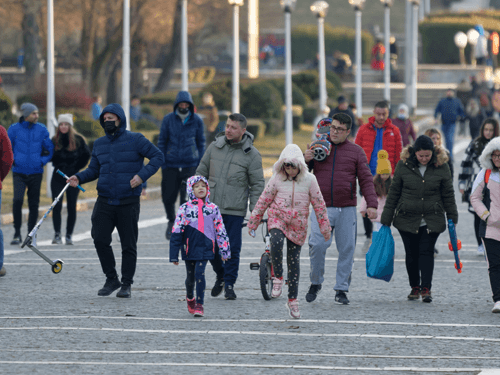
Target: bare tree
column 31, row 40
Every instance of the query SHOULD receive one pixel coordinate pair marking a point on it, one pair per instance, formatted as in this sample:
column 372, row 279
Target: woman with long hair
column 71, row 154
column 489, row 130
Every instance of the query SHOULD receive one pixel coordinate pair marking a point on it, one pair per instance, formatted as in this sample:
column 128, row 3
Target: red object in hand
column 459, row 245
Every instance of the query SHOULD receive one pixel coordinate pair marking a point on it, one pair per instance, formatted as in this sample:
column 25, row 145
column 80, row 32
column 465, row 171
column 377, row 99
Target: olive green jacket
column 412, row 197
column 234, row 173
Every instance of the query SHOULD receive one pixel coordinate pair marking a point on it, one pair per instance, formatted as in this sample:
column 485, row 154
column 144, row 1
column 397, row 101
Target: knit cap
column 383, row 163
column 27, row 109
column 423, row 142
column 65, row 117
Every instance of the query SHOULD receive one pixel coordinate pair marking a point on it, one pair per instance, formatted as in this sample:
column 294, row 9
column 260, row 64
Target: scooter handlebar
column 66, row 177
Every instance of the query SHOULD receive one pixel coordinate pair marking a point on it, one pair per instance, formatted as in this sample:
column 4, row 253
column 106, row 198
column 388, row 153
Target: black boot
column 109, row 287
column 125, row 292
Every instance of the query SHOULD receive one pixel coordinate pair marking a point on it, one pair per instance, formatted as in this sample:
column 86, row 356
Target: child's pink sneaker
column 293, row 308
column 198, row 310
column 191, row 305
column 277, row 285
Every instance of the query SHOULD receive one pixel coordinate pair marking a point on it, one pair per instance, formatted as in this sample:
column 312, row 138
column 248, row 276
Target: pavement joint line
column 168, row 352
column 246, row 365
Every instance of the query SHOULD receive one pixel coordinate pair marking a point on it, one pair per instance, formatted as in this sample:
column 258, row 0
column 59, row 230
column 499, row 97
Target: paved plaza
column 56, row 324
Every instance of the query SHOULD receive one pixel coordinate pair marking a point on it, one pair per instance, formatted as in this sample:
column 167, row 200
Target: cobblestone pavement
column 57, row 324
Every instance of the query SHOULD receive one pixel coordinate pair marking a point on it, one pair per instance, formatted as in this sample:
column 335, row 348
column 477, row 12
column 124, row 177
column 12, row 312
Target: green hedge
column 6, row 116
column 305, row 42
column 261, row 100
column 308, row 81
column 299, row 97
column 221, row 91
column 163, row 98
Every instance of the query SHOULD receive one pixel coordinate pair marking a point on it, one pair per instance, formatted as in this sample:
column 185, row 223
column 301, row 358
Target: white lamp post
column 320, row 9
column 184, row 47
column 51, row 94
column 236, row 54
column 288, row 6
column 460, row 40
column 253, row 38
column 358, row 6
column 472, row 37
column 387, row 69
column 414, row 60
column 126, row 61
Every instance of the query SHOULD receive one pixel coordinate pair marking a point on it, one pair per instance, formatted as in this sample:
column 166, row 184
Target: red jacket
column 391, row 140
column 337, row 175
column 6, row 155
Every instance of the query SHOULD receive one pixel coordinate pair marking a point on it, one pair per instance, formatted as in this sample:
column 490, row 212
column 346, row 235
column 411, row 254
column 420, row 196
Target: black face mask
column 110, row 127
column 183, row 111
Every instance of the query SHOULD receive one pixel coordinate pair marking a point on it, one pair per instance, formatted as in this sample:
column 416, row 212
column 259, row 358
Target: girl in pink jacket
column 288, row 195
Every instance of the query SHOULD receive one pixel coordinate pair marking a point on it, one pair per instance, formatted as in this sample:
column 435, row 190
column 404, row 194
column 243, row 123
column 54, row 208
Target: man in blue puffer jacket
column 118, row 162
column 182, row 141
column 32, row 149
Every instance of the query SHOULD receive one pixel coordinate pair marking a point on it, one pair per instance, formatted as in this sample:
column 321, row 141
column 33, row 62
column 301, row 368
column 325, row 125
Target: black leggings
column 195, row 274
column 493, row 257
column 419, row 248
column 292, row 259
column 33, row 183
column 477, row 221
column 56, row 185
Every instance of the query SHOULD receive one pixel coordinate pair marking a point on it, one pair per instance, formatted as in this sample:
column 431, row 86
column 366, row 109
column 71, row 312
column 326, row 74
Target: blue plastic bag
column 380, row 256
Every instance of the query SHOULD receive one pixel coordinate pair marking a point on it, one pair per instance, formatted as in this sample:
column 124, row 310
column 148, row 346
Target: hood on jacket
column 485, row 158
column 246, row 141
column 387, row 122
column 189, row 187
column 439, row 156
column 184, row 96
column 117, row 110
column 403, row 108
column 291, row 154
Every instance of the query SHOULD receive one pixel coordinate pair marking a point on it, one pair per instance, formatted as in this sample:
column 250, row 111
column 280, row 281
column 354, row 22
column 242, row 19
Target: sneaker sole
column 427, row 300
column 495, row 310
column 217, row 294
column 102, row 294
column 198, row 315
column 342, row 303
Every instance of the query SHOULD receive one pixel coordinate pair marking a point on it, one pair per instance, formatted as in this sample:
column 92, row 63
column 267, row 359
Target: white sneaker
column 480, row 249
column 277, row 285
column 293, row 308
column 496, row 307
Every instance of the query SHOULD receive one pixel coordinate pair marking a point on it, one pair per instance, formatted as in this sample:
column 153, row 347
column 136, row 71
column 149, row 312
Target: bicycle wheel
column 266, row 283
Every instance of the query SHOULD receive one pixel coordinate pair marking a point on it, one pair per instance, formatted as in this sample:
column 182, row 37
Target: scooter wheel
column 57, row 266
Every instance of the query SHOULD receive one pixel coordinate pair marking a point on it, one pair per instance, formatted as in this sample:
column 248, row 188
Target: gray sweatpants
column 343, row 221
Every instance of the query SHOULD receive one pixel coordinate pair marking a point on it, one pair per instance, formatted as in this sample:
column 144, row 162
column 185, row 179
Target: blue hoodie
column 117, row 158
column 182, row 142
column 28, row 142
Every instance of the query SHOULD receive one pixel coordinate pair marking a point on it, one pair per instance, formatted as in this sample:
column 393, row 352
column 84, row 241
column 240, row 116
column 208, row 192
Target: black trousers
column 32, row 182
column 57, row 184
column 105, row 218
column 493, row 256
column 477, row 221
column 419, row 248
column 173, row 182
column 292, row 260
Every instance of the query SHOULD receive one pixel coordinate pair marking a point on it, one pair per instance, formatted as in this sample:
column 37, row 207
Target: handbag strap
column 487, row 176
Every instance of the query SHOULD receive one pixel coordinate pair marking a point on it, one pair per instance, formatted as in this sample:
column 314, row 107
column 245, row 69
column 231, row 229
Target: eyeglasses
column 335, row 129
column 495, row 156
column 289, row 165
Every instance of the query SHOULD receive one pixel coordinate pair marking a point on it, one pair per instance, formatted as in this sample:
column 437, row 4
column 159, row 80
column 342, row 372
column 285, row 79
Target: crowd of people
column 408, row 184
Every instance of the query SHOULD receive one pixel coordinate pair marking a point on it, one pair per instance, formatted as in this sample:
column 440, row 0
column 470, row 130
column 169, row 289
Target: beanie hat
column 383, row 163
column 27, row 109
column 65, row 117
column 423, row 143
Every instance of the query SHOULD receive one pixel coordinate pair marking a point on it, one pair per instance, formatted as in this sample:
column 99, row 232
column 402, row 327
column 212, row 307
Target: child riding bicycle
column 288, row 195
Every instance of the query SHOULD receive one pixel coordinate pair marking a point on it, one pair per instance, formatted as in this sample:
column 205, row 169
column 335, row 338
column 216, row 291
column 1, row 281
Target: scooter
column 58, row 263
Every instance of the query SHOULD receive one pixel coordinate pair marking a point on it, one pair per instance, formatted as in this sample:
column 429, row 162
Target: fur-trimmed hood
column 291, row 154
column 439, row 156
column 485, row 158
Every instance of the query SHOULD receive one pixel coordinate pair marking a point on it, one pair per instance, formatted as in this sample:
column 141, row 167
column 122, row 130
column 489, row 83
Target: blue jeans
column 229, row 271
column 1, row 236
column 449, row 136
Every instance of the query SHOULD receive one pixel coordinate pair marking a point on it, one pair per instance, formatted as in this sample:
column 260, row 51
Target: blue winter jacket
column 28, row 143
column 182, row 143
column 117, row 158
column 450, row 109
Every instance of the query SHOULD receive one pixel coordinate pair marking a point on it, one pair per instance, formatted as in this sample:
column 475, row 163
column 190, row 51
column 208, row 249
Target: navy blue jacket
column 450, row 109
column 28, row 142
column 117, row 158
column 182, row 143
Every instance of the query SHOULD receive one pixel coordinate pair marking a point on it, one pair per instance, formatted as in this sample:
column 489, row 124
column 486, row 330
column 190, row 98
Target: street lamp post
column 460, row 40
column 358, row 6
column 184, row 47
column 288, row 6
column 51, row 95
column 126, row 60
column 253, row 38
column 414, row 65
column 236, row 54
column 472, row 37
column 320, row 9
column 387, row 69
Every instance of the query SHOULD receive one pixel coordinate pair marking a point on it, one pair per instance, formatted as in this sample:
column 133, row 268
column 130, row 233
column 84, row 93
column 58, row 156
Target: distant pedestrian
column 210, row 116
column 182, row 141
column 198, row 226
column 287, row 199
column 378, row 52
column 32, row 149
column 484, row 199
column 489, row 130
column 421, row 194
column 437, row 138
column 118, row 165
column 96, row 108
column 71, row 154
column 451, row 110
column 233, row 167
column 6, row 160
column 343, row 107
column 481, row 48
column 405, row 126
column 475, row 116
